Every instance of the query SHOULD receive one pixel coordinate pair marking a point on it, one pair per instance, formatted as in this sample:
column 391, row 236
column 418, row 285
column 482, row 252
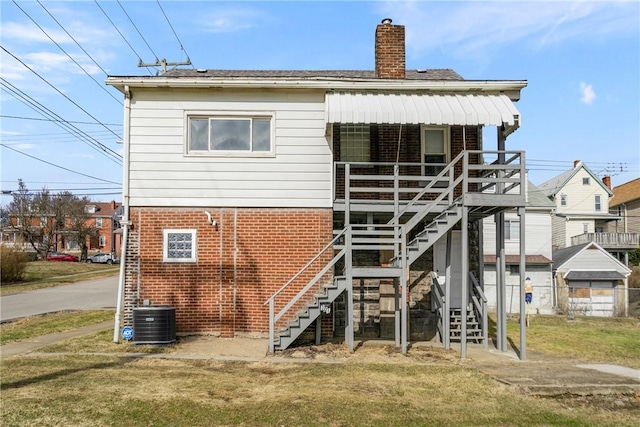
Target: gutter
column 509, row 87
column 125, row 223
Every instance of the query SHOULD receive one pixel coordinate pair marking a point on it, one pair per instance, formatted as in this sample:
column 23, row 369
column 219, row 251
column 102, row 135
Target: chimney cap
column 386, row 21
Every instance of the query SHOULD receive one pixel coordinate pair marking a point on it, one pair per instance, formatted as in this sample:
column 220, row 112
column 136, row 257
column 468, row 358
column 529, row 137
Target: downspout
column 125, row 203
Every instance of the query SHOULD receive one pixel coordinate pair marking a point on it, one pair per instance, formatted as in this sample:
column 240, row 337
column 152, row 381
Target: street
column 90, row 295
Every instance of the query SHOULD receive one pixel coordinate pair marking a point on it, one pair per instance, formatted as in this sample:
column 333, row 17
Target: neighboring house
column 248, row 192
column 581, row 207
column 538, row 255
column 625, row 204
column 107, row 239
column 590, row 281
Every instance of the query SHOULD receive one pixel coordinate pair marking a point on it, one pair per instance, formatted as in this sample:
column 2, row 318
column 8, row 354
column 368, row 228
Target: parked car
column 104, row 258
column 57, row 256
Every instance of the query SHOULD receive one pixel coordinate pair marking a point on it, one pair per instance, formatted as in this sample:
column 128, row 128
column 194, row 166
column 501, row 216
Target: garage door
column 592, row 298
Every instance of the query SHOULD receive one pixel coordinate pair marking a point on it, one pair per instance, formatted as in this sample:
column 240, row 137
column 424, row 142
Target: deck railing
column 609, row 240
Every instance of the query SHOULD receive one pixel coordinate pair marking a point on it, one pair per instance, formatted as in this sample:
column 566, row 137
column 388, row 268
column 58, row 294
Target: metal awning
column 421, row 108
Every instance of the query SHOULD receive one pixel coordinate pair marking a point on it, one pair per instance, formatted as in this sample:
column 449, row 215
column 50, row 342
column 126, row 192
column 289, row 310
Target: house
column 538, row 255
column 590, row 281
column 625, row 204
column 293, row 203
column 107, row 238
column 581, row 206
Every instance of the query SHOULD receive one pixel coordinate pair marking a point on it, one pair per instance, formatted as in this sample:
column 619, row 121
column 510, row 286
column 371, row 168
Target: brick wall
column 241, row 263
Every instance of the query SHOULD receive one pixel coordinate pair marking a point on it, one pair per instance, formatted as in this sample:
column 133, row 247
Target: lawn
column 44, row 274
column 121, row 391
column 108, row 388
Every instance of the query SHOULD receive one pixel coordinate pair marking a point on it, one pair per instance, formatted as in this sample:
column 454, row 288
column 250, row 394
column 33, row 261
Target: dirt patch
column 621, row 402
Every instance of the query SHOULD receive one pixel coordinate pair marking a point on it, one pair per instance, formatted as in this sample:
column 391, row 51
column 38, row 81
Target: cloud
column 476, row 28
column 229, row 20
column 588, row 94
column 23, row 146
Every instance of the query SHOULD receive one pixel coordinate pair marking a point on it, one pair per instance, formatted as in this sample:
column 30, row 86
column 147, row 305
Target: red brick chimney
column 606, row 180
column 576, row 163
column 390, row 51
column 113, row 205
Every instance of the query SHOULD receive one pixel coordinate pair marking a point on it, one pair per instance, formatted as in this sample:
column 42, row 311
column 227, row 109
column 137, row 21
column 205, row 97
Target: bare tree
column 78, row 221
column 26, row 212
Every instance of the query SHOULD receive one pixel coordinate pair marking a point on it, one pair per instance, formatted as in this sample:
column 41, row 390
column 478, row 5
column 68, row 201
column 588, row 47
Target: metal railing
column 438, row 298
column 479, row 305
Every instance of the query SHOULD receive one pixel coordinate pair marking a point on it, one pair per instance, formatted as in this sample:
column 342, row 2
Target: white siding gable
column 581, row 197
column 297, row 174
column 537, row 234
column 593, row 259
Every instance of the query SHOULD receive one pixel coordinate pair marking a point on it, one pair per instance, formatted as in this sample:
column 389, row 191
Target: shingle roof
column 537, row 198
column 427, row 74
column 594, row 275
column 625, row 193
column 561, row 256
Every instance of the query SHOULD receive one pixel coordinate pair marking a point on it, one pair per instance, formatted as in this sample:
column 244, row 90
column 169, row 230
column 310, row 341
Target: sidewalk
column 539, row 375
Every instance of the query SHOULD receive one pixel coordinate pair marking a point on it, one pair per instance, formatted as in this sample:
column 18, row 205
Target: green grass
column 112, row 391
column 45, row 274
column 35, row 326
column 597, row 339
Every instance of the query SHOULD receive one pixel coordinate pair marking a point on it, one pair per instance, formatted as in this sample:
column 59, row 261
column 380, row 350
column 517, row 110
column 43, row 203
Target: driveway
column 89, row 295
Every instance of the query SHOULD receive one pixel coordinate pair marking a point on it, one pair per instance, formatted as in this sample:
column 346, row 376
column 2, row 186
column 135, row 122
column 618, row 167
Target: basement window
column 179, row 245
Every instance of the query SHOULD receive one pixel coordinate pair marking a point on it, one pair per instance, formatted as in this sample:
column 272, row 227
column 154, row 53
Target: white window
column 512, row 230
column 229, row 135
column 598, row 204
column 585, row 227
column 179, row 245
column 99, row 222
column 355, row 143
column 585, row 181
column 102, row 241
column 90, row 209
column 43, row 221
column 563, row 200
column 435, row 150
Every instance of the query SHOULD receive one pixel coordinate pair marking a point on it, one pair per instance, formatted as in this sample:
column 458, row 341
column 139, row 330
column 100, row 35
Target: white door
column 440, row 264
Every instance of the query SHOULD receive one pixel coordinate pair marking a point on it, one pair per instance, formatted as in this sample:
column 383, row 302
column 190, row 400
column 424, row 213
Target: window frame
column 508, row 233
column 563, row 200
column 102, row 241
column 228, row 115
column 355, row 129
column 586, row 180
column 446, row 142
column 194, row 245
column 99, row 222
column 597, row 200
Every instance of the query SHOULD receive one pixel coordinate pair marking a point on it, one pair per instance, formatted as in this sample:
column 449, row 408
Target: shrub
column 12, row 264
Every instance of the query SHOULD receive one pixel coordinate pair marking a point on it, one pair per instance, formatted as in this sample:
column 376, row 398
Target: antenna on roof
column 163, row 64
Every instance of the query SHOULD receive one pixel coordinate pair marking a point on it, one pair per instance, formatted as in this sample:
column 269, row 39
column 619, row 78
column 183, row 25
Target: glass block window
column 354, row 143
column 179, row 246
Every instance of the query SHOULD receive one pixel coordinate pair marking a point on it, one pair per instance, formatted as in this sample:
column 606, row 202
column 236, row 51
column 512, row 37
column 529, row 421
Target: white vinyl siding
column 580, row 198
column 297, row 174
column 537, row 235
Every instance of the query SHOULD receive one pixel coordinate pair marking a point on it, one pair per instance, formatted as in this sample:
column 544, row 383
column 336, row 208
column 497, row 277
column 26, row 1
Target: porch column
column 446, row 321
column 523, row 308
column 465, row 280
column 501, row 294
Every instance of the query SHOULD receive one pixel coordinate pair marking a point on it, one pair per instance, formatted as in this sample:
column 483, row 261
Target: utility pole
column 163, row 64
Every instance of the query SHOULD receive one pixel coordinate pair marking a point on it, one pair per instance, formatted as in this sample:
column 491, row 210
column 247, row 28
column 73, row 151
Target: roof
column 551, row 187
column 594, row 275
column 625, row 193
column 515, row 259
column 105, row 208
column 536, row 198
column 563, row 255
column 426, row 74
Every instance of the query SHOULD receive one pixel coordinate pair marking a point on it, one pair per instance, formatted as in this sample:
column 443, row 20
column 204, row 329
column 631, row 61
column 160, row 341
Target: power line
column 60, row 167
column 38, row 107
column 58, row 182
column 53, row 120
column 123, row 37
column 101, row 86
column 59, row 91
column 72, row 38
column 134, row 26
column 174, row 33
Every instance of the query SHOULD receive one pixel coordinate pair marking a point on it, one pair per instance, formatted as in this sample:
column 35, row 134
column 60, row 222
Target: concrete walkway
column 540, row 375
